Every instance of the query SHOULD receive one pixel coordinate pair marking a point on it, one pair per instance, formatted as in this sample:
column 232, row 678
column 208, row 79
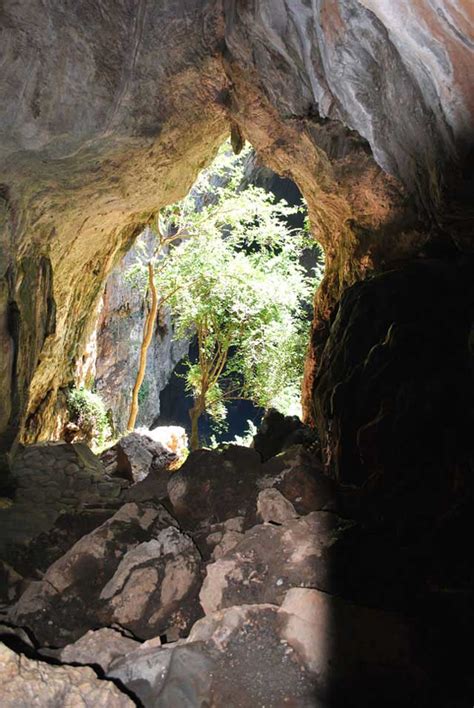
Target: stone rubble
column 199, row 606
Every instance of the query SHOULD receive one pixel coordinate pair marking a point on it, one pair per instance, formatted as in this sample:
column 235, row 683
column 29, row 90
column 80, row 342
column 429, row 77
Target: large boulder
column 137, row 454
column 173, row 437
column 299, row 475
column 26, row 682
column 320, row 550
column 137, row 569
column 362, row 656
column 272, row 559
column 32, row 559
column 273, row 507
column 215, row 485
column 100, row 647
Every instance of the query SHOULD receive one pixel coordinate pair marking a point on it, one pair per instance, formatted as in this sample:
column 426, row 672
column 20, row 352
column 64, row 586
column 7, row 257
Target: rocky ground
column 242, row 579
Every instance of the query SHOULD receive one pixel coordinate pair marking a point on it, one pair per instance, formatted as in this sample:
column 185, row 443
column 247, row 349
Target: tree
column 246, row 311
column 153, row 307
column 235, row 281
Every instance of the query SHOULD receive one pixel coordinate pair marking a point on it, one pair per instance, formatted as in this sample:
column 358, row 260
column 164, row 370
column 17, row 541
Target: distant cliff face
column 118, row 338
column 109, row 110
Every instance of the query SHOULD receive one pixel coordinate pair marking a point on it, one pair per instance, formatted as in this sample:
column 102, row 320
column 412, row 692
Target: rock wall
column 89, row 98
column 107, row 113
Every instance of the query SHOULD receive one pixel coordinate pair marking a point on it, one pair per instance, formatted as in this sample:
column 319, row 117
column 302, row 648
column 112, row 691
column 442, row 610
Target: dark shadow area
column 398, row 390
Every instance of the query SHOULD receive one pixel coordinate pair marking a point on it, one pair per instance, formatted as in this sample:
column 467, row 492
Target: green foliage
column 244, row 440
column 236, row 280
column 87, row 411
column 233, row 277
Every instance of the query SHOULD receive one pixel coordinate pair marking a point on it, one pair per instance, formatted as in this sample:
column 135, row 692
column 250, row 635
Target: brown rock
column 299, row 475
column 230, row 659
column 215, row 486
column 272, row 506
column 278, row 432
column 134, row 456
column 271, row 559
column 314, row 651
column 353, row 649
column 136, row 569
column 98, row 647
column 228, row 541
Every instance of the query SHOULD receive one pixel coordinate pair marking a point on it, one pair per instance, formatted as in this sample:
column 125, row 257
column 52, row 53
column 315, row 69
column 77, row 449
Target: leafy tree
column 233, row 278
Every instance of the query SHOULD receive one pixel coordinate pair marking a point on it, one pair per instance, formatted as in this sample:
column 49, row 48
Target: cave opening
column 237, row 193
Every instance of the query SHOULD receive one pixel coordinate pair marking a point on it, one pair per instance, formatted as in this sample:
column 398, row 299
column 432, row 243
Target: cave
column 328, row 565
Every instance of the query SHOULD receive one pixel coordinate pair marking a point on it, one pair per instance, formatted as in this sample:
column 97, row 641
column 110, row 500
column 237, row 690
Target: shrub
column 87, row 411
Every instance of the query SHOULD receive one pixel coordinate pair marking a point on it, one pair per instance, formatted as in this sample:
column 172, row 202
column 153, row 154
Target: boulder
column 137, row 569
column 215, row 485
column 228, row 541
column 272, row 559
column 361, row 655
column 299, row 475
column 172, row 437
column 137, row 454
column 278, row 432
column 169, row 676
column 32, row 559
column 273, row 507
column 210, row 537
column 26, row 682
column 100, row 647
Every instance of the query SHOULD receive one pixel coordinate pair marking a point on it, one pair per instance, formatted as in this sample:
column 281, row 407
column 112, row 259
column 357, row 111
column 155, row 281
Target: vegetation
column 87, row 411
column 233, row 279
column 244, row 440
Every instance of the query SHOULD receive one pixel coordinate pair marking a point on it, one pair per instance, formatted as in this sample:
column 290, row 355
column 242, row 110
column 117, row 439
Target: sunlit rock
column 26, row 682
column 137, row 569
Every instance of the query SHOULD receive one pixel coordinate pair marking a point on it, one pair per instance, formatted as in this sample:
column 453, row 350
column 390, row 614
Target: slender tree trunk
column 195, row 414
column 146, row 341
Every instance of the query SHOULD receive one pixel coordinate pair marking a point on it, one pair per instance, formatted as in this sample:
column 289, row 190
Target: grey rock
column 229, row 659
column 135, row 456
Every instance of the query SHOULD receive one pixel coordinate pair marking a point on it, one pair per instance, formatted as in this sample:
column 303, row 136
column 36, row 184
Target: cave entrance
column 262, row 216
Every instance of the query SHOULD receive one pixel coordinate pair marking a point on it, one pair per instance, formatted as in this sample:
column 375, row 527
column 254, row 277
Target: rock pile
column 137, row 570
column 243, row 587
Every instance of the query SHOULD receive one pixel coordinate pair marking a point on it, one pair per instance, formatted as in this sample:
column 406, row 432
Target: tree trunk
column 195, row 414
column 146, row 341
